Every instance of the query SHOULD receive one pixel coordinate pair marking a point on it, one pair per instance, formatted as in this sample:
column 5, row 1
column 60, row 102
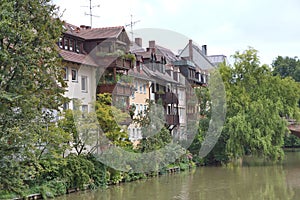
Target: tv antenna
column 91, row 7
column 132, row 23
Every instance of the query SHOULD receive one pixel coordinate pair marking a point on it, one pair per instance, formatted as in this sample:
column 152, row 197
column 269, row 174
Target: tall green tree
column 287, row 66
column 30, row 83
column 257, row 103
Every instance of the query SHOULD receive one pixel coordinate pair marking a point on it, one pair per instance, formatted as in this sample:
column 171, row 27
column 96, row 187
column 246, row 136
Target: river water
column 253, row 182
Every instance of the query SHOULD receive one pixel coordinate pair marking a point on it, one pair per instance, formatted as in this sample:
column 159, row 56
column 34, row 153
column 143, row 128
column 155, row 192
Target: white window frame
column 141, row 108
column 84, row 83
column 145, row 88
column 66, row 74
column 141, row 88
column 84, row 108
column 76, row 75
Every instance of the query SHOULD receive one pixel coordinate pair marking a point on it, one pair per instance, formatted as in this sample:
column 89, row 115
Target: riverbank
column 280, row 181
column 80, row 173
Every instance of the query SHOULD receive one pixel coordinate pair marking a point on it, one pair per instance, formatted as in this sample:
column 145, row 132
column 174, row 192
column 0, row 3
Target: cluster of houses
column 104, row 60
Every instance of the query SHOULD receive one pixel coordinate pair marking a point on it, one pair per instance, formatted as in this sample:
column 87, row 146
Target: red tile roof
column 77, row 58
column 101, row 33
column 93, row 33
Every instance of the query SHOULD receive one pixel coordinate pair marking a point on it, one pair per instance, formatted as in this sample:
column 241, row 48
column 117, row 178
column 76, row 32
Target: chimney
column 204, row 49
column 191, row 50
column 139, row 41
column 152, row 44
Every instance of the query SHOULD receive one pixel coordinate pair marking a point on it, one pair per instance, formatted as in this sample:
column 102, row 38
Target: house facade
column 138, row 99
column 94, row 60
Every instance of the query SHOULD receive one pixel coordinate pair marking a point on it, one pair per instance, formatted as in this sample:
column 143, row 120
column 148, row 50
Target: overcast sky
column 270, row 26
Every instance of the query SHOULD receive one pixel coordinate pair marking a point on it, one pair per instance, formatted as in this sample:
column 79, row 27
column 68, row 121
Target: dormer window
column 78, row 46
column 71, row 44
column 60, row 42
column 66, row 44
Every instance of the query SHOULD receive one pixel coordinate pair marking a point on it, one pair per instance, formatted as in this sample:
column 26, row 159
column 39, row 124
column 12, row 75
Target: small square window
column 84, row 83
column 74, row 75
column 85, row 108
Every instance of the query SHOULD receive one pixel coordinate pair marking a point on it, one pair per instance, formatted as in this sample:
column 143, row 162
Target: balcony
column 167, row 98
column 172, row 120
column 115, row 89
column 115, row 62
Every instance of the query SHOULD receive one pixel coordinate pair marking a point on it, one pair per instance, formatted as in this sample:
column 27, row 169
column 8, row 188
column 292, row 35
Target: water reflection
column 275, row 182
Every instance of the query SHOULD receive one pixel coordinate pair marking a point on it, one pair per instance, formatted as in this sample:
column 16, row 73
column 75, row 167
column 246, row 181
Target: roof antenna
column 91, row 14
column 132, row 23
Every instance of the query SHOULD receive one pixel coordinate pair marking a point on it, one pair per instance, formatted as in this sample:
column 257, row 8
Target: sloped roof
column 199, row 58
column 77, row 58
column 135, row 48
column 161, row 76
column 71, row 29
column 217, row 59
column 101, row 33
column 93, row 33
column 139, row 74
column 170, row 56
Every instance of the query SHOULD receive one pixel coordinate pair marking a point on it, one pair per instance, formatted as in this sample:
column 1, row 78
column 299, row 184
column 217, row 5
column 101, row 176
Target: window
column 65, row 106
column 136, row 86
column 144, row 88
column 74, row 75
column 84, row 108
column 65, row 73
column 141, row 88
column 84, row 83
column 133, row 95
column 77, row 46
column 75, row 103
column 60, row 43
column 141, row 108
column 66, row 44
column 137, row 109
column 71, row 45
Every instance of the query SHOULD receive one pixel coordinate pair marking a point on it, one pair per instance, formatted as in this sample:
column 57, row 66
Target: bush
column 77, row 172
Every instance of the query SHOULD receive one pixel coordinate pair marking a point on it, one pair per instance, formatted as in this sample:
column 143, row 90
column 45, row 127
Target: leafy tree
column 286, row 66
column 110, row 119
column 257, row 101
column 30, row 83
column 83, row 130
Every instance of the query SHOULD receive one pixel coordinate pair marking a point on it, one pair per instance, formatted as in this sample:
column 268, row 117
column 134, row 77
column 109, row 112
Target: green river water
column 254, row 182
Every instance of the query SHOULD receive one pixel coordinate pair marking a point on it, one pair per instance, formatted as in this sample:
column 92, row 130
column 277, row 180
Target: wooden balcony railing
column 167, row 98
column 114, row 62
column 115, row 88
column 172, row 119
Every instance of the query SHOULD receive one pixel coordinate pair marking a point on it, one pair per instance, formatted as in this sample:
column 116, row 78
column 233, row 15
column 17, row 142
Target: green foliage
column 109, row 118
column 100, row 176
column 256, row 103
column 291, row 141
column 77, row 171
column 287, row 67
column 155, row 142
column 30, row 83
